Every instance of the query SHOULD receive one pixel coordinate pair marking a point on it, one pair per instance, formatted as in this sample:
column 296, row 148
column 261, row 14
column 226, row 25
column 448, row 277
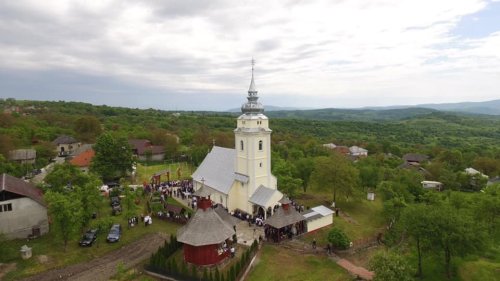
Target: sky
column 195, row 54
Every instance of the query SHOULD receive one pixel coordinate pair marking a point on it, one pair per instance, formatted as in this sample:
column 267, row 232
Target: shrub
column 338, row 238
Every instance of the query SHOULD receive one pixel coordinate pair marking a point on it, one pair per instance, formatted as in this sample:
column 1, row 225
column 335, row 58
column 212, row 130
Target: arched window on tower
column 241, row 145
column 260, row 145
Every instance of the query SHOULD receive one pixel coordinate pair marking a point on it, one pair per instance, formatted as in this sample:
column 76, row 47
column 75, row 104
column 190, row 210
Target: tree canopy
column 113, row 157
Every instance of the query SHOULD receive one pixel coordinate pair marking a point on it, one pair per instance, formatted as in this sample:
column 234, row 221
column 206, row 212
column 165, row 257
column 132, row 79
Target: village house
column 23, row 212
column 318, row 217
column 415, row 159
column 358, row 151
column 141, row 148
column 83, row 159
column 432, row 185
column 23, row 156
column 65, row 145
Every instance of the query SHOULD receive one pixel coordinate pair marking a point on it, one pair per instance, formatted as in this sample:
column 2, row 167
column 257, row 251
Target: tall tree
column 65, row 175
column 113, row 157
column 415, row 222
column 454, row 233
column 283, row 170
column 89, row 196
column 336, row 174
column 66, row 212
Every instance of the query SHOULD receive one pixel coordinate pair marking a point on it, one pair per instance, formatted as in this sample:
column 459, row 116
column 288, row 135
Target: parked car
column 114, row 233
column 88, row 238
column 116, row 210
column 115, row 200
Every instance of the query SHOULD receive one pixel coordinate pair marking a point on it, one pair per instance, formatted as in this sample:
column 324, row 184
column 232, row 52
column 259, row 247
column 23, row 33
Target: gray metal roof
column 324, row 211
column 262, row 196
column 311, row 215
column 317, row 212
column 241, row 178
column 252, row 106
column 282, row 217
column 206, row 227
column 217, row 169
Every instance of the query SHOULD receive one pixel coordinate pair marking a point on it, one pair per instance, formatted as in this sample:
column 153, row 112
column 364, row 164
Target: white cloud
column 347, row 53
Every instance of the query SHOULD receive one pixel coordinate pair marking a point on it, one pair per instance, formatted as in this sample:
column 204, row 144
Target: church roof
column 282, row 217
column 265, row 196
column 225, row 216
column 202, row 192
column 218, row 169
column 206, row 227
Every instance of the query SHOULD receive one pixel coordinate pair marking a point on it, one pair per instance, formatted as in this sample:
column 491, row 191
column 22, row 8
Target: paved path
column 104, row 267
column 361, row 272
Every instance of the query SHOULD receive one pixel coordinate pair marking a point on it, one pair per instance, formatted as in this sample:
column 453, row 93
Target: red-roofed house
column 140, row 148
column 23, row 211
column 83, row 160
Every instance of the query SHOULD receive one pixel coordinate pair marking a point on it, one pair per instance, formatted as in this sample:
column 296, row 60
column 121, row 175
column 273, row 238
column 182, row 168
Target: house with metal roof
column 23, row 212
column 318, row 217
column 241, row 178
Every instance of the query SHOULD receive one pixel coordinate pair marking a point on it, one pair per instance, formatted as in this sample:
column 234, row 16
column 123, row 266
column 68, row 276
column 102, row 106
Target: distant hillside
column 352, row 114
column 486, row 107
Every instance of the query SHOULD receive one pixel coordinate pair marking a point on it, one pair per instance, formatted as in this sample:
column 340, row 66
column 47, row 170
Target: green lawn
column 52, row 246
column 144, row 172
column 366, row 223
column 276, row 263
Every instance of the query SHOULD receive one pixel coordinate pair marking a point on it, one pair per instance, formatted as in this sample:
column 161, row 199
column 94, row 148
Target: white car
column 104, row 188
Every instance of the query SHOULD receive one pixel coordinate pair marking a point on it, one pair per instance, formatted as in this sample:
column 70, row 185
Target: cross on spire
column 252, row 106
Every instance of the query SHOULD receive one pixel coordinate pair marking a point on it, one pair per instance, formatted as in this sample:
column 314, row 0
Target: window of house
column 241, row 145
column 6, row 207
column 221, row 199
column 260, row 145
column 260, row 164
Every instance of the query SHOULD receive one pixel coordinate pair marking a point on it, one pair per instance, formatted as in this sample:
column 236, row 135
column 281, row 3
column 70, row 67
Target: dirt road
column 104, row 267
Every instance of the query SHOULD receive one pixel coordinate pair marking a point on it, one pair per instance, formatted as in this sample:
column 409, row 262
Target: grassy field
column 364, row 220
column 144, row 172
column 52, row 247
column 276, row 263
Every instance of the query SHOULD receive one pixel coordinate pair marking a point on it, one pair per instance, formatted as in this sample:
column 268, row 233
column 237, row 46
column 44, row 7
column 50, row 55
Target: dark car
column 88, row 238
column 115, row 200
column 114, row 233
column 116, row 210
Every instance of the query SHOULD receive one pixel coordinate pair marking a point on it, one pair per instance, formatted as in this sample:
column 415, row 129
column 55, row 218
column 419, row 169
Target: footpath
column 305, row 248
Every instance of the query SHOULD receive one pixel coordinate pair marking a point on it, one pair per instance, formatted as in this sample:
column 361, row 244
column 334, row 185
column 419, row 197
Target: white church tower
column 240, row 178
column 253, row 142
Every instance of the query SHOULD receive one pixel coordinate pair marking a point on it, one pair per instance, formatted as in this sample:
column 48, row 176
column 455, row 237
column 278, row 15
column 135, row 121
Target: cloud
column 328, row 53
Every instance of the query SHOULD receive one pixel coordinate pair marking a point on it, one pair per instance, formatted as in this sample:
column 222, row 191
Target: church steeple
column 252, row 106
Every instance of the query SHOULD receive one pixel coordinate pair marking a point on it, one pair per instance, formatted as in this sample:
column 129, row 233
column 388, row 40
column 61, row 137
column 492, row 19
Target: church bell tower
column 253, row 143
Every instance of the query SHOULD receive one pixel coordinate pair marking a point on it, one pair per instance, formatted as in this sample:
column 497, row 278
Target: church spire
column 252, row 106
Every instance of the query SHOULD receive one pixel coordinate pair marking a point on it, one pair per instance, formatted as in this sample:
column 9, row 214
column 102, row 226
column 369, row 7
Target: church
column 241, row 178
